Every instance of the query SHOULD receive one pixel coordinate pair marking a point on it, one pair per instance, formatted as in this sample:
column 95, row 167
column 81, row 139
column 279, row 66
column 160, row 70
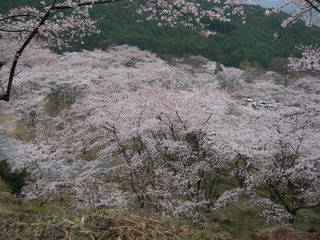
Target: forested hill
column 234, row 43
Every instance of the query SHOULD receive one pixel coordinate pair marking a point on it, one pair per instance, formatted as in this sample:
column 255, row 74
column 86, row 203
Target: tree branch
column 315, row 7
column 6, row 96
column 62, row 7
column 16, row 16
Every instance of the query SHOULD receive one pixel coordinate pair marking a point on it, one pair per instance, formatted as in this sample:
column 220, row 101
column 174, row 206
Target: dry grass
column 240, row 221
column 110, row 224
column 286, row 232
column 21, row 220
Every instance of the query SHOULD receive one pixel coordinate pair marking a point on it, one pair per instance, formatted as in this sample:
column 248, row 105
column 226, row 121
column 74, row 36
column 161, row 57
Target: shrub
column 15, row 179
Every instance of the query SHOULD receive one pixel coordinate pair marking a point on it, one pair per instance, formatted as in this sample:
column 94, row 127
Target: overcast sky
column 273, row 3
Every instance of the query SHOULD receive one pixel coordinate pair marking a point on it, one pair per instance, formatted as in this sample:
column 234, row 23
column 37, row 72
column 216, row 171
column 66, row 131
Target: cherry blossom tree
column 304, row 9
column 309, row 11
column 172, row 152
column 284, row 159
column 92, row 191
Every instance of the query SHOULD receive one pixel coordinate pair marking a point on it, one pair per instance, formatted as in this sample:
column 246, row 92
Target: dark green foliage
column 15, row 179
column 234, row 43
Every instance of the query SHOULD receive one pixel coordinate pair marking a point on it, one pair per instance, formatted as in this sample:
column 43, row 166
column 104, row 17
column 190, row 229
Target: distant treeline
column 235, row 42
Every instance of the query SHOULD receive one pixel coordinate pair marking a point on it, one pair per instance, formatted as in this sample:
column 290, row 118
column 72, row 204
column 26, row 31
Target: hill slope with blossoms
column 124, row 129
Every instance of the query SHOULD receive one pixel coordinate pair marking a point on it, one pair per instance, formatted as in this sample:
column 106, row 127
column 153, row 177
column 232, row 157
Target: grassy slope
column 20, row 220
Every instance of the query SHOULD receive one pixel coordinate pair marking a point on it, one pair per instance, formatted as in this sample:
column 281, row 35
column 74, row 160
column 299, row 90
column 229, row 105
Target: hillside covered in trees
column 123, row 129
column 234, row 42
column 109, row 140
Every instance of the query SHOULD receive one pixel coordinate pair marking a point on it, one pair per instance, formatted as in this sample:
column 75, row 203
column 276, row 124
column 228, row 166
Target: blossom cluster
column 310, row 60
